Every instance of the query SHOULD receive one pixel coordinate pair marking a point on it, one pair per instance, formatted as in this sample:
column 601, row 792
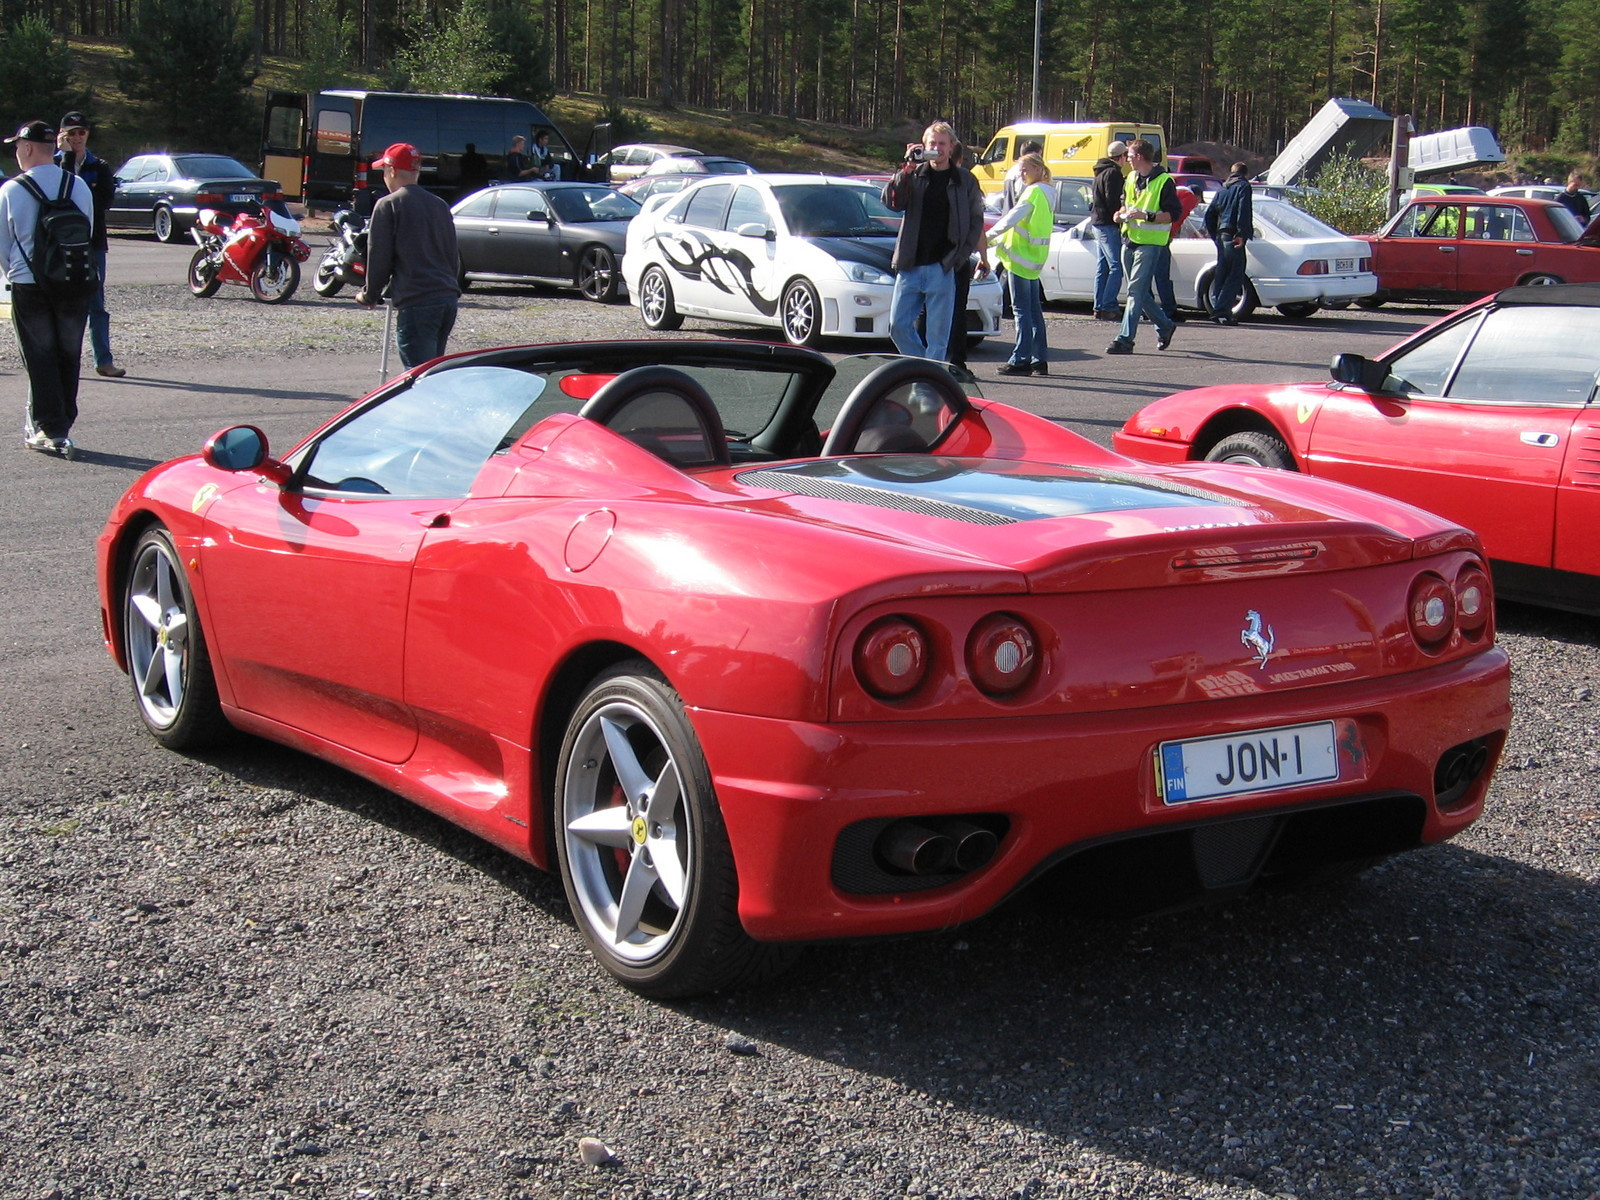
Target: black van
column 319, row 146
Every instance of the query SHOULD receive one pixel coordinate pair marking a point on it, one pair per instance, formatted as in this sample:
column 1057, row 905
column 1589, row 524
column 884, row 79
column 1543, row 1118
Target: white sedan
column 807, row 254
column 1296, row 263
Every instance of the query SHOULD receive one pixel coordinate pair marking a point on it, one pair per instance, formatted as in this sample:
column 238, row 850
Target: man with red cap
column 411, row 251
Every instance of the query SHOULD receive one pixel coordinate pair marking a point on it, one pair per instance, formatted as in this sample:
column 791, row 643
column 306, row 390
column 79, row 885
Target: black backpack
column 63, row 256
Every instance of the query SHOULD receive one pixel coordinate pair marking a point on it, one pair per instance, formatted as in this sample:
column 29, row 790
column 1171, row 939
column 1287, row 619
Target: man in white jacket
column 49, row 327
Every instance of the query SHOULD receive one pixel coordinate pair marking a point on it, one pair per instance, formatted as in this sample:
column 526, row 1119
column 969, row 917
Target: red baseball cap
column 402, row 156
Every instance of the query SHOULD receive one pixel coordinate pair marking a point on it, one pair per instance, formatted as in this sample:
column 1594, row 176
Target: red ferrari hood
column 1072, row 529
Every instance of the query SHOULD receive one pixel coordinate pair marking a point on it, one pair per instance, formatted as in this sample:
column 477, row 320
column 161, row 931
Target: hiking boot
column 111, row 371
column 1120, row 347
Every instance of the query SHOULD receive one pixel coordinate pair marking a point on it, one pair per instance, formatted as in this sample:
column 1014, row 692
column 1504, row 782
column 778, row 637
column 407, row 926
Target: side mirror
column 243, row 448
column 754, row 229
column 1358, row 371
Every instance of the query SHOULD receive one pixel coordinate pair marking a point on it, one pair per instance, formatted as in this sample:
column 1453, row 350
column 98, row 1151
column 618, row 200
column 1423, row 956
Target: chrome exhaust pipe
column 916, row 849
column 974, row 845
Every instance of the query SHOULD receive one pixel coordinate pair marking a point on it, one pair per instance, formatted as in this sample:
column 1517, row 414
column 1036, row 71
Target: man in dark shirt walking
column 1230, row 220
column 411, row 251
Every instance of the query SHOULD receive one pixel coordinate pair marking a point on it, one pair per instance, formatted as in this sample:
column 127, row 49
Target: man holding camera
column 943, row 226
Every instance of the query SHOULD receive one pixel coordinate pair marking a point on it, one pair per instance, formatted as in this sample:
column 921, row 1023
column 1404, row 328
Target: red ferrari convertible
column 1488, row 416
column 625, row 611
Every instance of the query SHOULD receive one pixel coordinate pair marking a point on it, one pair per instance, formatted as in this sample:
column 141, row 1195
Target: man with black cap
column 73, row 154
column 411, row 250
column 49, row 327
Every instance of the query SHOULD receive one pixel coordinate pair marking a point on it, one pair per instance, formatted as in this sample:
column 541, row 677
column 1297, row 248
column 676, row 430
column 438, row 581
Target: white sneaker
column 36, row 439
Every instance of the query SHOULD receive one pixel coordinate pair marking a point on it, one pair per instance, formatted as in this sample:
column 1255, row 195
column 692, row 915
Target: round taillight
column 891, row 658
column 1474, row 599
column 1001, row 654
column 1431, row 611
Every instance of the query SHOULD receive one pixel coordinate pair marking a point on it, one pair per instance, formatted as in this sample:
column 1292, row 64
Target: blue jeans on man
column 1227, row 282
column 1140, row 260
column 932, row 287
column 99, row 318
column 421, row 331
column 1107, row 267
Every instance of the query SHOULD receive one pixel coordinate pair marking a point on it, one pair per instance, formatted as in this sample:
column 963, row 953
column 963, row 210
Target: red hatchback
column 1456, row 248
column 1488, row 417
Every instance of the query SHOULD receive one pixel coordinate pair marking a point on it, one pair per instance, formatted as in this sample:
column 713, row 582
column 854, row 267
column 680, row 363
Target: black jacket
column 904, row 193
column 1106, row 194
column 1232, row 213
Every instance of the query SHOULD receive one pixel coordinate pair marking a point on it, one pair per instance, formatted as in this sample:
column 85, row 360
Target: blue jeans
column 1140, row 261
column 1027, row 302
column 932, row 287
column 1107, row 267
column 1228, row 282
column 99, row 318
column 421, row 330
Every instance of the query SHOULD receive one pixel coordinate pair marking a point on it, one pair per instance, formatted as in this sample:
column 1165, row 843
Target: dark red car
column 1488, row 417
column 1455, row 248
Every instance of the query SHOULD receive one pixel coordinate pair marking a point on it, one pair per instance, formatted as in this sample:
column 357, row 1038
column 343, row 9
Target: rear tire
column 1372, row 302
column 327, row 281
column 597, row 275
column 1300, row 310
column 275, row 277
column 203, row 278
column 655, row 302
column 1253, row 449
column 643, row 852
column 1543, row 279
column 164, row 225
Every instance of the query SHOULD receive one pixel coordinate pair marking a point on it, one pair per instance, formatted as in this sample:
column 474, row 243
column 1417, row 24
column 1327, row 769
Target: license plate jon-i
column 1236, row 764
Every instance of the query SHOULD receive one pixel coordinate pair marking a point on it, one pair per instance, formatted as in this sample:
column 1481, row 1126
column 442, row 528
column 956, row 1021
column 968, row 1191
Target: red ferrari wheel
column 1254, row 450
column 165, row 648
column 644, row 856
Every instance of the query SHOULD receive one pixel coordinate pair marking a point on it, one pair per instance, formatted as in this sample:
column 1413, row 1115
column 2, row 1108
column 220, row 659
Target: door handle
column 1526, row 253
column 1534, row 438
column 1447, row 249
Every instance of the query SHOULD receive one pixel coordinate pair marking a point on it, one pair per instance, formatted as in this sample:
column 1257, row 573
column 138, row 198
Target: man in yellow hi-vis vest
column 1149, row 207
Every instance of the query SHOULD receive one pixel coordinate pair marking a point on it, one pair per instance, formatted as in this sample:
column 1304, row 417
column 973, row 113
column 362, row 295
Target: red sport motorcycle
column 260, row 250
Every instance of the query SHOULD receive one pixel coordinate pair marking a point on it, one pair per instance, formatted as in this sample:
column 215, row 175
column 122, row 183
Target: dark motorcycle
column 346, row 259
column 260, row 250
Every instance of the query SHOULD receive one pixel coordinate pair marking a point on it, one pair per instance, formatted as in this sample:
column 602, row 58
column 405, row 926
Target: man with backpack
column 46, row 230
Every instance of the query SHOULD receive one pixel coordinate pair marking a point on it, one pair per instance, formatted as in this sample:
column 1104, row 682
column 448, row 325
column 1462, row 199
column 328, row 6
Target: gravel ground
column 251, row 974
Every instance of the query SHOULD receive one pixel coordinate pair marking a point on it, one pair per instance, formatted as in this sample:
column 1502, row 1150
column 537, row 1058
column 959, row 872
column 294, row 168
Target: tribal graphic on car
column 694, row 256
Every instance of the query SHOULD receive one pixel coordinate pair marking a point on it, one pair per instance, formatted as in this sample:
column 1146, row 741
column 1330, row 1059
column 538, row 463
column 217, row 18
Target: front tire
column 165, row 648
column 800, row 310
column 1253, row 449
column 597, row 275
column 655, row 302
column 164, row 225
column 203, row 278
column 275, row 277
column 643, row 852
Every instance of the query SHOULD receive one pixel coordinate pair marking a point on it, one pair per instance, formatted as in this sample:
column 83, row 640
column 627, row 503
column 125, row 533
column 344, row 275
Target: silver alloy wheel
column 158, row 622
column 655, row 302
column 163, row 226
column 801, row 314
column 627, row 831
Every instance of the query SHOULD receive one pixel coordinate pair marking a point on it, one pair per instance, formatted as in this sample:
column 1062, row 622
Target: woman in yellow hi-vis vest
column 1022, row 240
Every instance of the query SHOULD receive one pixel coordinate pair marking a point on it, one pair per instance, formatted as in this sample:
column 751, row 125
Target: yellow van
column 1070, row 149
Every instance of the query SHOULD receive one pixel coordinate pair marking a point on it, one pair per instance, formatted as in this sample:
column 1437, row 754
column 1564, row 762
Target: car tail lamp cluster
column 1322, row 266
column 894, row 656
column 1437, row 608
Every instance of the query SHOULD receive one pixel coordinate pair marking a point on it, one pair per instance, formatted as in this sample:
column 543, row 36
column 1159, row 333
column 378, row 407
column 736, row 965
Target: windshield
column 835, row 210
column 211, row 166
column 577, row 206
